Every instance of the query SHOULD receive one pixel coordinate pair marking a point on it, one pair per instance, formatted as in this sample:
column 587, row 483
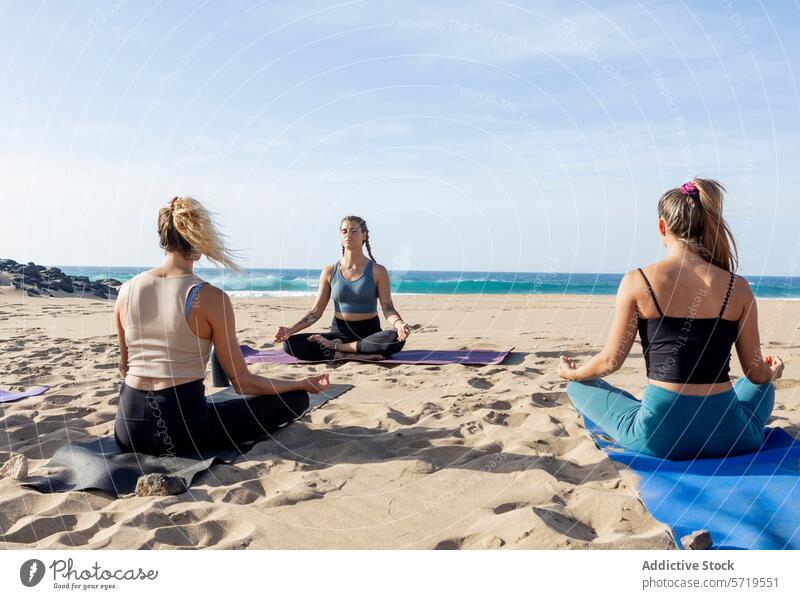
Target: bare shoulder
column 631, row 285
column 380, row 270
column 327, row 273
column 630, row 276
column 741, row 289
column 740, row 282
column 632, row 281
column 211, row 299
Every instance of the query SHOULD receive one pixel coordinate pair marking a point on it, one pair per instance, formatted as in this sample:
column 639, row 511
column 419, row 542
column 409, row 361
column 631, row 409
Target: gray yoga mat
column 99, row 464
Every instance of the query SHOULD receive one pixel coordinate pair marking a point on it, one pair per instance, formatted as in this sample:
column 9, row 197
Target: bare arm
column 316, row 311
column 387, row 305
column 748, row 341
column 216, row 307
column 119, row 307
column 619, row 343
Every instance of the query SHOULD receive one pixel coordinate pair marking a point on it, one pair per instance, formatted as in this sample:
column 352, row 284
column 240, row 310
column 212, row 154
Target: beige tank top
column 160, row 342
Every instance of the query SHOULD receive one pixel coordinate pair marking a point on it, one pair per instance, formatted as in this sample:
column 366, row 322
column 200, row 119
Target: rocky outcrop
column 36, row 280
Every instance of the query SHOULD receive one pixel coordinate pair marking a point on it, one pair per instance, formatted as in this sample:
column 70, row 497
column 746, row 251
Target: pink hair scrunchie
column 688, row 188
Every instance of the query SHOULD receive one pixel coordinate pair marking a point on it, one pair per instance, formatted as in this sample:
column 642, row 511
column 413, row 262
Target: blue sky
column 479, row 135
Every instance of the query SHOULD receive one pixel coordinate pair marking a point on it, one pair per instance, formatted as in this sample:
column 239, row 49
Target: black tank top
column 684, row 349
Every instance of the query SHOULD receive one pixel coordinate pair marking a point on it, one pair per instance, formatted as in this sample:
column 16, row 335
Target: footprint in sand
column 306, row 492
column 61, row 399
column 401, row 418
column 528, row 372
column 509, row 507
column 565, row 524
column 547, row 399
column 450, row 543
column 500, row 405
column 491, row 542
column 496, row 418
column 480, row 383
column 109, row 366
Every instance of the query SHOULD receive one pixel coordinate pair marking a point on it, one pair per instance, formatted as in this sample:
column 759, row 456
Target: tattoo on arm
column 389, row 311
column 309, row 319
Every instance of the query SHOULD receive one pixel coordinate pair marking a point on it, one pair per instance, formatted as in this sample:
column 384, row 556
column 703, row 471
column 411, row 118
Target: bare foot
column 326, row 343
column 369, row 357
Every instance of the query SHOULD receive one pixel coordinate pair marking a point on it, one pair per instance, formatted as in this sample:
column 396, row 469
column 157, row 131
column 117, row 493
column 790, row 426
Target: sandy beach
column 412, row 457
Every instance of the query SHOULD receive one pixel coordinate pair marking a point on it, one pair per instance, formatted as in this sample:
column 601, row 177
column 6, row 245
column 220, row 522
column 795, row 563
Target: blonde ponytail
column 693, row 214
column 184, row 225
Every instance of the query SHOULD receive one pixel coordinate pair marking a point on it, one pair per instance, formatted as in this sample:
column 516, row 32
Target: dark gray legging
column 367, row 334
column 180, row 421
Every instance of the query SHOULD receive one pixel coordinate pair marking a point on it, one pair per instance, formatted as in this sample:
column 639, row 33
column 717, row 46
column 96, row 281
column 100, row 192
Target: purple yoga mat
column 474, row 357
column 14, row 396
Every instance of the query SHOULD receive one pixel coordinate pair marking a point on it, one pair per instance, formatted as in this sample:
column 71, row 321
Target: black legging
column 179, row 420
column 367, row 334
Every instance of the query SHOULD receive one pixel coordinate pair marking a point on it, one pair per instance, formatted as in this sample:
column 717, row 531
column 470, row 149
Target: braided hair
column 363, row 224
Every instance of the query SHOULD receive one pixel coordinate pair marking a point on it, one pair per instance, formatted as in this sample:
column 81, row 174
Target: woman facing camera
column 689, row 309
column 355, row 283
column 167, row 319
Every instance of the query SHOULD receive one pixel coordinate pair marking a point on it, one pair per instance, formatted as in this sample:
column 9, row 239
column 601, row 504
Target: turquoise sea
column 272, row 281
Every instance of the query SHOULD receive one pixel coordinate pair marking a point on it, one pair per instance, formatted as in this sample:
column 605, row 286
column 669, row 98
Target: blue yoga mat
column 750, row 501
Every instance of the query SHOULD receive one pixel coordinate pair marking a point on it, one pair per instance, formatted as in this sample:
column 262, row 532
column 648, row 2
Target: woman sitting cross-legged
column 167, row 318
column 355, row 283
column 689, row 310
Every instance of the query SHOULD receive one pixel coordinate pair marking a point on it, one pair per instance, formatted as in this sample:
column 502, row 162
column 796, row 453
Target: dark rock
column 81, row 279
column 65, row 284
column 151, row 485
column 32, row 292
column 32, row 269
column 699, row 539
column 110, row 282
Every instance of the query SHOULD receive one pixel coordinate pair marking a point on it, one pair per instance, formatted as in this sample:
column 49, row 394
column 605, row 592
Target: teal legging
column 676, row 426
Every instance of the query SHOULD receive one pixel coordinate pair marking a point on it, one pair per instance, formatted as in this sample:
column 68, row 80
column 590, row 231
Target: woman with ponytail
column 355, row 283
column 689, row 310
column 167, row 319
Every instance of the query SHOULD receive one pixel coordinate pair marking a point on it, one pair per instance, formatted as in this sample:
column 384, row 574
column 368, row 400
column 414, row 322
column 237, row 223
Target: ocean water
column 272, row 281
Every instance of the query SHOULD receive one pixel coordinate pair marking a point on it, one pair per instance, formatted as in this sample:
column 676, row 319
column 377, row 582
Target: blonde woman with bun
column 167, row 320
column 689, row 310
